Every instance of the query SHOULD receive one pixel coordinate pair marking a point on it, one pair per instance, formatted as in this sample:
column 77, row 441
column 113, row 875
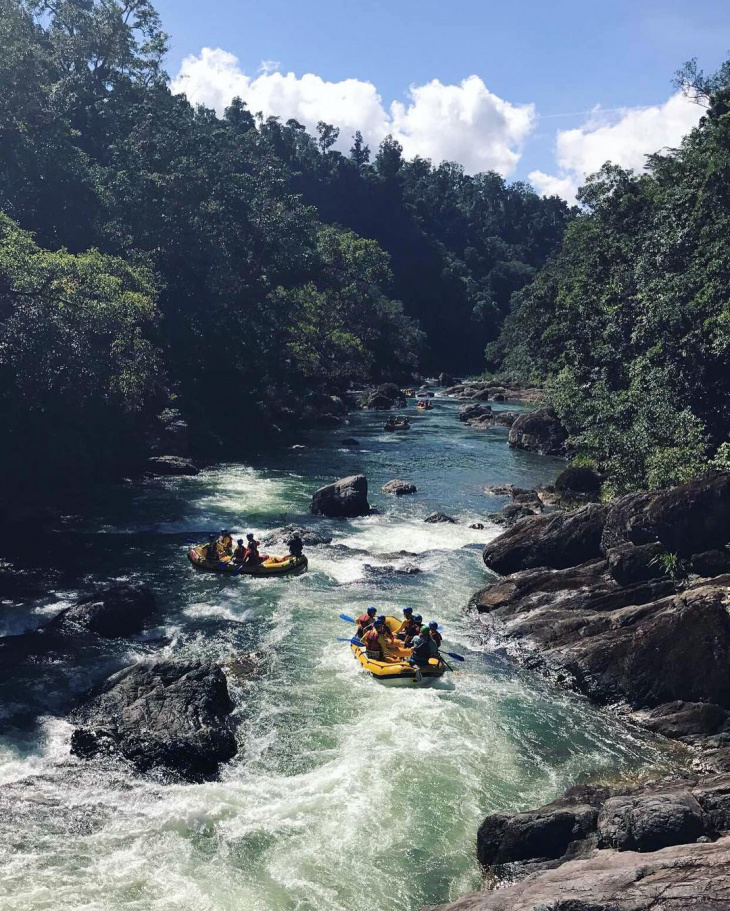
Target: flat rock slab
column 674, row 879
column 170, row 715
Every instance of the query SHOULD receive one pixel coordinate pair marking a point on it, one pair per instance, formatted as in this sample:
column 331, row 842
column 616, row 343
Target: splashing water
column 345, row 795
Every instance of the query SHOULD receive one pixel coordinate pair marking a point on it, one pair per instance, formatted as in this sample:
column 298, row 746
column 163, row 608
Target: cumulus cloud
column 625, row 140
column 465, row 123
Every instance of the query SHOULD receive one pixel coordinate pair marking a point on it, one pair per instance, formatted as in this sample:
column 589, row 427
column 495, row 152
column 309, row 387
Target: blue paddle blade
column 455, row 656
column 348, row 619
column 353, row 641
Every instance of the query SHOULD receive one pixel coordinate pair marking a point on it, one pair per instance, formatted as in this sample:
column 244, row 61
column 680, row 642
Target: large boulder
column 688, row 519
column 171, row 465
column 649, row 822
column 629, row 563
column 539, row 431
column 399, row 488
column 557, row 541
column 120, row 610
column 680, row 719
column 384, row 397
column 437, row 518
column 345, row 498
column 171, row 715
column 445, row 379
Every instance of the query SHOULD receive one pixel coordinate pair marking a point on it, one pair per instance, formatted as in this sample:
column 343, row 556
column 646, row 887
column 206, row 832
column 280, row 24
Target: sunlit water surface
column 345, row 795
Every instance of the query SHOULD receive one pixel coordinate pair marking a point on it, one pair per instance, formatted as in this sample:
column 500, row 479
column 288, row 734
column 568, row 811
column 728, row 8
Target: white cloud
column 465, row 123
column 625, row 140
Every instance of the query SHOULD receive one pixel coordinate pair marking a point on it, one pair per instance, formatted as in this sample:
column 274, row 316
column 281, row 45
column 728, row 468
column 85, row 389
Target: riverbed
column 345, row 795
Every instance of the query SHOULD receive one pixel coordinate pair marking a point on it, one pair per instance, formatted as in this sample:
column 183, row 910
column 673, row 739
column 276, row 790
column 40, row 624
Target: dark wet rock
column 680, row 720
column 711, row 563
column 642, row 644
column 110, row 613
column 650, row 822
column 387, row 571
column 511, row 513
column 345, row 498
column 445, row 379
column 474, row 412
column 384, row 397
column 171, row 715
column 350, row 441
column 687, row 520
column 440, row 517
column 578, row 481
column 399, row 488
column 556, row 541
column 481, row 395
column 310, row 536
column 499, row 397
column 170, row 465
column 539, row 431
column 501, row 490
column 477, row 526
column 629, row 563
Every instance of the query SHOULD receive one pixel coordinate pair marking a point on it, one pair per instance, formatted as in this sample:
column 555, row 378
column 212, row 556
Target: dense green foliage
column 630, row 321
column 216, row 269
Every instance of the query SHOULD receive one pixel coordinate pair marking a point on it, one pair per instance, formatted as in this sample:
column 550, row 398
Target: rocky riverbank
column 629, row 605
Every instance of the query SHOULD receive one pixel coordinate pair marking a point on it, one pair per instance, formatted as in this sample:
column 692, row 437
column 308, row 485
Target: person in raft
column 252, row 557
column 424, row 648
column 378, row 640
column 365, row 621
column 295, row 545
column 239, row 554
column 211, row 551
column 225, row 543
column 408, row 626
column 435, row 634
column 414, row 630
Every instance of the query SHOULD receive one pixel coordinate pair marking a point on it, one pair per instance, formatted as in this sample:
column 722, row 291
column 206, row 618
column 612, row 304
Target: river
column 345, row 795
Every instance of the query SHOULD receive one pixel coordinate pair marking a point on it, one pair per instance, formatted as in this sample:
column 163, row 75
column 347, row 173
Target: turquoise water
column 345, row 795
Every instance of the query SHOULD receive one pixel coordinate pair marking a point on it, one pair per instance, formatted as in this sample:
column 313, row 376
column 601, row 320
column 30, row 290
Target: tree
column 389, row 158
column 359, row 153
column 328, row 136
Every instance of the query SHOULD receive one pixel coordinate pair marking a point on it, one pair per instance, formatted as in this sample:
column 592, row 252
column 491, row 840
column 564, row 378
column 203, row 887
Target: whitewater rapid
column 345, row 795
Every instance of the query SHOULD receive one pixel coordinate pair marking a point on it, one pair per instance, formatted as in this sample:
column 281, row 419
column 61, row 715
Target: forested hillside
column 630, row 322
column 158, row 262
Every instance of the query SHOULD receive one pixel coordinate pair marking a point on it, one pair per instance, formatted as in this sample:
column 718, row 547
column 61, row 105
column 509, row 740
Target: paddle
column 455, row 656
column 353, row 641
column 348, row 619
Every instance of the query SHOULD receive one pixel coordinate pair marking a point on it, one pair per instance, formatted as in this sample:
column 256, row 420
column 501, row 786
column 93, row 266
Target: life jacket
column 437, row 638
column 408, row 626
column 252, row 555
column 226, row 543
column 364, row 622
column 371, row 640
column 239, row 554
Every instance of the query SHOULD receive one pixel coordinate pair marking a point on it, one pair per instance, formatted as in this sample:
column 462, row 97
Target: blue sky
column 562, row 57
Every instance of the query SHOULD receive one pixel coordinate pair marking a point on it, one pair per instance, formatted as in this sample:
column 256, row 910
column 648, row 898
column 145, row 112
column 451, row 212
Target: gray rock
column 629, row 563
column 711, row 563
column 281, row 536
column 680, row 719
column 437, row 517
column 539, row 431
column 650, row 822
column 556, row 541
column 345, row 498
column 399, row 488
column 171, row 715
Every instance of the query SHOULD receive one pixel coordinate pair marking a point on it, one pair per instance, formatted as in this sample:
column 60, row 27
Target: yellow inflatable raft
column 397, row 671
column 273, row 566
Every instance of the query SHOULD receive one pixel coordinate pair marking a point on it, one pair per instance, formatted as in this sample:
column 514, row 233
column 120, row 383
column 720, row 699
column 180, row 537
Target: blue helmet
column 381, row 618
column 372, row 611
column 433, row 625
column 418, row 618
column 407, row 610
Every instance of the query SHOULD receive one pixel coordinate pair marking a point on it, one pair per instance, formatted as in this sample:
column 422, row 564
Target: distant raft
column 272, row 566
column 399, row 672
